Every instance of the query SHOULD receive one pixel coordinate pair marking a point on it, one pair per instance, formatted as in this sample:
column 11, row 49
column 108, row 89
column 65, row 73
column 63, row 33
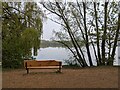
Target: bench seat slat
column 45, row 67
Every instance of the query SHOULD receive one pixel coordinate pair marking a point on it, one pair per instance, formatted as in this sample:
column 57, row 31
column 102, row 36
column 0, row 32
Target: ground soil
column 95, row 77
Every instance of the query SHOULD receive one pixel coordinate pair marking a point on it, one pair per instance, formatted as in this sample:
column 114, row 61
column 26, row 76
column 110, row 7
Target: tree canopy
column 21, row 32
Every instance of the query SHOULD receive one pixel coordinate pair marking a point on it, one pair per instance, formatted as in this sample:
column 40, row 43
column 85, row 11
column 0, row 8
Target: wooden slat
column 32, row 63
column 48, row 63
column 45, row 67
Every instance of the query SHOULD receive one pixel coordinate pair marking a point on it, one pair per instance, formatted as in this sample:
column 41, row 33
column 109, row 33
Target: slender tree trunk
column 77, row 41
column 110, row 48
column 115, row 41
column 81, row 64
column 80, row 50
column 62, row 16
column 94, row 51
column 104, row 33
column 98, row 47
column 70, row 34
column 74, row 44
column 81, row 32
column 86, row 35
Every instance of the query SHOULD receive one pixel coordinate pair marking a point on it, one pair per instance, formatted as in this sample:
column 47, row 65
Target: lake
column 61, row 54
column 53, row 53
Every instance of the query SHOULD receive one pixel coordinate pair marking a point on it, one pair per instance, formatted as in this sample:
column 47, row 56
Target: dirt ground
column 96, row 77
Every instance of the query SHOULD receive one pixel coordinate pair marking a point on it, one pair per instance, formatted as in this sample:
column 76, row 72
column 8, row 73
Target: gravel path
column 96, row 77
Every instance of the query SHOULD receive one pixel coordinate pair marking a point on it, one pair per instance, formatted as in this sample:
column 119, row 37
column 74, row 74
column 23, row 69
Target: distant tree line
column 47, row 43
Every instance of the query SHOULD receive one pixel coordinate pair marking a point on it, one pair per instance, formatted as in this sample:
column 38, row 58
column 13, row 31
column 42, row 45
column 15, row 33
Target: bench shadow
column 34, row 73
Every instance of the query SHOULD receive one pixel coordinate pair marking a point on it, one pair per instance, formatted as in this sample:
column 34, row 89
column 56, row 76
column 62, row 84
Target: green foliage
column 19, row 35
column 0, row 7
column 11, row 64
column 30, row 38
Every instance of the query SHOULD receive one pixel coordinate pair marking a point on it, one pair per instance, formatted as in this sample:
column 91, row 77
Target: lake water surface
column 51, row 53
column 61, row 54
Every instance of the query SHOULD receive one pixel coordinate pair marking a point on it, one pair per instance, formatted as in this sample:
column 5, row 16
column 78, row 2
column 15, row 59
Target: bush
column 11, row 64
column 71, row 62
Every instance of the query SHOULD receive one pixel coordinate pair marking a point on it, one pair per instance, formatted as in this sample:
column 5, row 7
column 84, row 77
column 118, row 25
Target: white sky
column 48, row 27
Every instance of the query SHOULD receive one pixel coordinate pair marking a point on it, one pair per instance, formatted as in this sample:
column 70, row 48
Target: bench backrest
column 35, row 63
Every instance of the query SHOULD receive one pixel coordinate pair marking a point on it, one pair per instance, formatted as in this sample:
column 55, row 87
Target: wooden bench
column 47, row 64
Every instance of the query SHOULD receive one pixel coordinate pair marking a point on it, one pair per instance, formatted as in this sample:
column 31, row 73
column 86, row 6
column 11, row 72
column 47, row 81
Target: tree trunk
column 98, row 49
column 86, row 35
column 115, row 41
column 70, row 34
column 104, row 33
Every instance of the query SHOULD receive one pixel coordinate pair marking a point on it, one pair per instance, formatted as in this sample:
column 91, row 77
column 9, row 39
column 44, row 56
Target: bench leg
column 59, row 70
column 60, row 64
column 27, row 70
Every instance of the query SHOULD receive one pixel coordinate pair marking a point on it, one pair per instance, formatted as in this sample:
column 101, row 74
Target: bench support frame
column 26, row 67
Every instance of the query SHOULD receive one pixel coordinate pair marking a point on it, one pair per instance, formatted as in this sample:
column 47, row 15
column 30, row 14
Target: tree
column 111, row 23
column 85, row 21
column 116, row 38
column 22, row 29
column 86, row 34
column 104, row 33
column 97, row 32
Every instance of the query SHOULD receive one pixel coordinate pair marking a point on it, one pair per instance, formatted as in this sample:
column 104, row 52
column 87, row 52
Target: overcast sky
column 48, row 27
